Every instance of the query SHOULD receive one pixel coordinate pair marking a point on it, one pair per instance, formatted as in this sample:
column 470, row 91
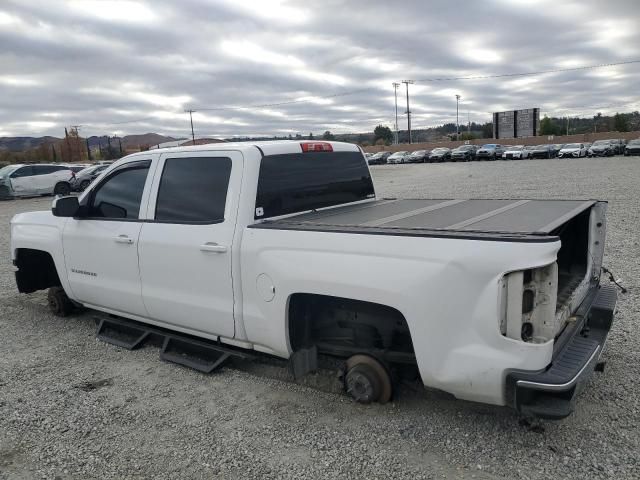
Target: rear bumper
column 551, row 393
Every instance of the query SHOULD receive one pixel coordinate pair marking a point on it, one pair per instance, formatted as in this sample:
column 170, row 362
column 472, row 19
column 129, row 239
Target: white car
column 283, row 248
column 515, row 152
column 38, row 179
column 398, row 157
column 574, row 150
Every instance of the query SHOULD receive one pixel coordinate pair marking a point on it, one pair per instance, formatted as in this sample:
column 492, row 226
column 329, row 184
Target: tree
column 546, row 126
column 620, row 123
column 310, row 135
column 328, row 136
column 382, row 133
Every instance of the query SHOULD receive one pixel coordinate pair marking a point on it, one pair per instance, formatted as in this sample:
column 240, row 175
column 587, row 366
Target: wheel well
column 36, row 270
column 343, row 327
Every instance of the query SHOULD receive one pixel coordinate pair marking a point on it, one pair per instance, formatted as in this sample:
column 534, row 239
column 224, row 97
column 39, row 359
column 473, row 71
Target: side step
column 193, row 354
column 121, row 334
column 201, row 355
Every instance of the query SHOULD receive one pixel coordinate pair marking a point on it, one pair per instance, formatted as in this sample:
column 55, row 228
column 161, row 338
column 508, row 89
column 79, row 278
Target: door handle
column 123, row 239
column 213, row 247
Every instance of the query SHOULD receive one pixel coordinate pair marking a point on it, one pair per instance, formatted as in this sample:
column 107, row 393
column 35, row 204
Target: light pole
column 457, row 120
column 407, row 82
column 395, row 93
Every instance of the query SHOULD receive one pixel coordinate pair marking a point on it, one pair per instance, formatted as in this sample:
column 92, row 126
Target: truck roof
column 270, row 147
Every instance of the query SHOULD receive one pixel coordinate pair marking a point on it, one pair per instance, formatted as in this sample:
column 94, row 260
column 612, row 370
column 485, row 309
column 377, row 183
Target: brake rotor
column 367, row 380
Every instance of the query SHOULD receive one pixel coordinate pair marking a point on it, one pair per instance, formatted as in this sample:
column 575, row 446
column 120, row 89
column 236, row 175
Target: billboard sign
column 516, row 123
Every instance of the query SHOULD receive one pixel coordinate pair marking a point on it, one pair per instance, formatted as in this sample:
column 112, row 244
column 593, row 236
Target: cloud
column 135, row 65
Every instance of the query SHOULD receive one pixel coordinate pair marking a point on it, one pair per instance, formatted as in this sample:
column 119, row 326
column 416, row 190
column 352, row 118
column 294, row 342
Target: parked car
column 540, row 151
column 573, row 150
column 38, row 179
column 632, row 148
column 488, row 300
column 379, row 158
column 556, row 148
column 515, row 152
column 602, row 148
column 75, row 167
column 84, row 177
column 419, row 156
column 463, row 153
column 619, row 144
column 440, row 154
column 490, row 151
column 398, row 157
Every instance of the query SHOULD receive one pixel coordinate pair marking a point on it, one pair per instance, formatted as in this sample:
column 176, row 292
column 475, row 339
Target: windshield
column 515, row 147
column 489, row 145
column 418, row 153
column 399, row 154
column 632, row 142
column 602, row 142
column 573, row 145
column 87, row 170
column 535, row 147
column 439, row 150
column 8, row 169
column 464, row 147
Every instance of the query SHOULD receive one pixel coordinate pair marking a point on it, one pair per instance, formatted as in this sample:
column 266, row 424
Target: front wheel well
column 36, row 270
column 343, row 327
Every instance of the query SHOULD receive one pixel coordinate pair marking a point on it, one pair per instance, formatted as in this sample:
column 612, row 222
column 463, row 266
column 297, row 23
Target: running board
column 201, row 355
column 121, row 334
column 193, row 354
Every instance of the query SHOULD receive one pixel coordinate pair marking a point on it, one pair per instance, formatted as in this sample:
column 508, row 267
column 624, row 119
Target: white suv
column 40, row 179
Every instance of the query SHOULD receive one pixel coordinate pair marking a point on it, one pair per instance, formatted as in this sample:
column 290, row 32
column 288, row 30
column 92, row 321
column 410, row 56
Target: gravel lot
column 74, row 407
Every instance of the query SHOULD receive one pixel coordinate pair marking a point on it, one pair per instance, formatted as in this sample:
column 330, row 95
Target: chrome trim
column 561, row 386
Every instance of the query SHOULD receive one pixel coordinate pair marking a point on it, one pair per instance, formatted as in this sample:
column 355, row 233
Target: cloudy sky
column 134, row 66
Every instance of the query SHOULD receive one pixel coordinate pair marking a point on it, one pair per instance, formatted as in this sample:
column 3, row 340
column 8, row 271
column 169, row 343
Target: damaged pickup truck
column 283, row 248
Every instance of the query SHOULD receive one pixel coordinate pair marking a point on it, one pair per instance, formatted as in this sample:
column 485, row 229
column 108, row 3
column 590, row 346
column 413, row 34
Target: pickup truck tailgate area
column 506, row 219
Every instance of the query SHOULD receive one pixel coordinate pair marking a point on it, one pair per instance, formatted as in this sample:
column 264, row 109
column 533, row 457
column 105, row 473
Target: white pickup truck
column 283, row 248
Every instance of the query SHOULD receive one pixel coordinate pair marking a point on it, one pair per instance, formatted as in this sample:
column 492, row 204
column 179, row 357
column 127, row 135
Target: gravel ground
column 74, row 407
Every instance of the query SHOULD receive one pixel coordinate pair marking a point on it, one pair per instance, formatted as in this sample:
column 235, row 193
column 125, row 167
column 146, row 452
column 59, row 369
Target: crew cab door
column 100, row 247
column 186, row 251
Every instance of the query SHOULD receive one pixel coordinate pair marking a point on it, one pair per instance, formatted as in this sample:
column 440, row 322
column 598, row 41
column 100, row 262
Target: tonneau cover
column 518, row 220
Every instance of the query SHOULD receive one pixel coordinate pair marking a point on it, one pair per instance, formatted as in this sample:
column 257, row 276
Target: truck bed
column 504, row 220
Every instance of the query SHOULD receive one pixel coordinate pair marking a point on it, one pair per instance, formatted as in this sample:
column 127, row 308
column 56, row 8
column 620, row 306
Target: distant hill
column 19, row 144
column 132, row 141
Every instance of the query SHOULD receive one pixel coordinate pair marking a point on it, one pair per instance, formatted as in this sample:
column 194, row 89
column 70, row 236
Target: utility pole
column 395, row 93
column 457, row 120
column 407, row 82
column 567, row 124
column 193, row 137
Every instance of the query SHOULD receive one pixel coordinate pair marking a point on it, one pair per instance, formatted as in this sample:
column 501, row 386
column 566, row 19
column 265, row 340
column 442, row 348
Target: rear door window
column 295, row 182
column 193, row 190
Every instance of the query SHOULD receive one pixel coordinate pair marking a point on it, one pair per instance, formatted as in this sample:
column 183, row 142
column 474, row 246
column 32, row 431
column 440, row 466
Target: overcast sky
column 102, row 63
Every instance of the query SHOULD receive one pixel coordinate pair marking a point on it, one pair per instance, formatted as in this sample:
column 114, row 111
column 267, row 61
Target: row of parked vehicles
column 495, row 151
column 24, row 180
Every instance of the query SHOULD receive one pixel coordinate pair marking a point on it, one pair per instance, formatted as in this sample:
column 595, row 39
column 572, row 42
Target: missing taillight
column 528, row 297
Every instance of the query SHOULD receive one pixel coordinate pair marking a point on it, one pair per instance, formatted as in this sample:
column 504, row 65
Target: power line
column 437, row 79
column 368, row 89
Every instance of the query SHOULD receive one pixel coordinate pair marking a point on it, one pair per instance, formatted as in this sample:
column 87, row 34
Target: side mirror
column 65, row 206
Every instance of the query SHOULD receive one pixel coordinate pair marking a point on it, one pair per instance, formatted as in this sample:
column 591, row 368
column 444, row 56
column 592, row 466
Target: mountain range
column 20, row 144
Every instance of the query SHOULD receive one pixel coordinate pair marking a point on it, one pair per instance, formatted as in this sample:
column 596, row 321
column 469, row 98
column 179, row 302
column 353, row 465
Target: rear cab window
column 297, row 182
